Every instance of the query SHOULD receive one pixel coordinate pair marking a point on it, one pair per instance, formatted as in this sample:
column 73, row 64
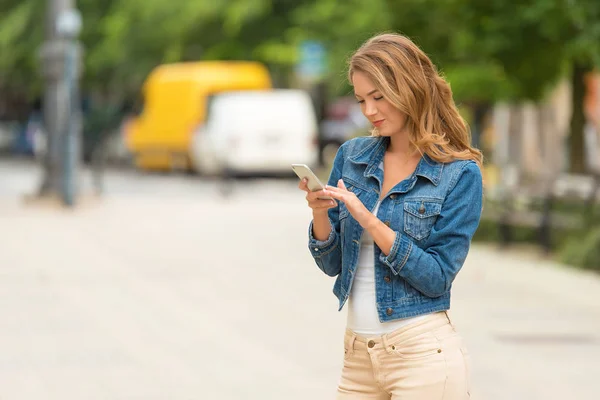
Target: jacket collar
column 372, row 156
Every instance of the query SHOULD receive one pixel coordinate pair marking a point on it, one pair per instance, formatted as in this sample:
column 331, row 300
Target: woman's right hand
column 317, row 205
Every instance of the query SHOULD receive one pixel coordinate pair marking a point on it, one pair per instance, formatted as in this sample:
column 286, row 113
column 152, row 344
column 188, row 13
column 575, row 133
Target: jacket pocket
column 420, row 216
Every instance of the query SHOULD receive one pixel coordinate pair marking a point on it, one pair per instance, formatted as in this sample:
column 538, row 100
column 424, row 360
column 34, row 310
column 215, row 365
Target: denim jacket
column 434, row 213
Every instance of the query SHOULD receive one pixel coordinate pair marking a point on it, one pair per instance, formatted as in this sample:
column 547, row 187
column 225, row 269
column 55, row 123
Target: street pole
column 60, row 61
column 69, row 26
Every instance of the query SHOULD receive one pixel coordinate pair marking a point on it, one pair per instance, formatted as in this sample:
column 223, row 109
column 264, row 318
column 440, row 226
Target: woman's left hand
column 356, row 208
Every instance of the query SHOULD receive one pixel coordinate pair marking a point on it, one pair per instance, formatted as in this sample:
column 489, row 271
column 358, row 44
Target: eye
column 378, row 98
column 360, row 101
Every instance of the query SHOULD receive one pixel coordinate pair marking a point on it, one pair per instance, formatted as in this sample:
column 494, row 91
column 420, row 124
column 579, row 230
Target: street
column 165, row 289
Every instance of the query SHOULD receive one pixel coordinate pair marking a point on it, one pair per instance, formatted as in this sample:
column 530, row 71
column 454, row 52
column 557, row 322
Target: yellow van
column 175, row 99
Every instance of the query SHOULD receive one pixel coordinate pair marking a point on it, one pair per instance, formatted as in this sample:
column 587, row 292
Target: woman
column 407, row 201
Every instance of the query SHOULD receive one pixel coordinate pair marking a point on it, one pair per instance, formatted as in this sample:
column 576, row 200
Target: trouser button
column 371, row 344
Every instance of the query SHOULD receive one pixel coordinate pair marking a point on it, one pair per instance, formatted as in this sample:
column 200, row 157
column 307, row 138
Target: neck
column 399, row 144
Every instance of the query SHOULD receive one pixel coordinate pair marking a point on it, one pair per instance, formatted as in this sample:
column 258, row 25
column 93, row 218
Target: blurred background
column 154, row 239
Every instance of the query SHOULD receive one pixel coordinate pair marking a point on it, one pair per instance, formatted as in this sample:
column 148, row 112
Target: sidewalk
column 174, row 297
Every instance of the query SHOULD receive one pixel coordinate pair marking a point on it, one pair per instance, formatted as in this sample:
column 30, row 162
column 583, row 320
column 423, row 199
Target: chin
column 383, row 134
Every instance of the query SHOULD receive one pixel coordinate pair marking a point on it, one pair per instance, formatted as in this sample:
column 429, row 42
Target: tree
column 514, row 51
column 21, row 30
column 543, row 39
column 579, row 34
column 489, row 50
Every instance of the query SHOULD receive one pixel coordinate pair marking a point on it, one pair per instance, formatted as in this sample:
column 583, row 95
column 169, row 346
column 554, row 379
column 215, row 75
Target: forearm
column 431, row 273
column 383, row 235
column 425, row 272
column 326, row 248
column 321, row 226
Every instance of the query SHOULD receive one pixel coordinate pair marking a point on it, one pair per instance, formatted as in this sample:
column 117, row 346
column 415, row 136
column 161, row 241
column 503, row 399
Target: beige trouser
column 422, row 361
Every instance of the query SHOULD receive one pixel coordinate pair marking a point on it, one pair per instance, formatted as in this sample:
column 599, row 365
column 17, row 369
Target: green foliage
column 498, row 42
column 576, row 244
column 583, row 250
column 21, row 24
column 489, row 49
column 479, row 83
column 342, row 27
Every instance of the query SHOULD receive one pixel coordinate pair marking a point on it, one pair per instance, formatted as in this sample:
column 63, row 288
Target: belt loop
column 384, row 341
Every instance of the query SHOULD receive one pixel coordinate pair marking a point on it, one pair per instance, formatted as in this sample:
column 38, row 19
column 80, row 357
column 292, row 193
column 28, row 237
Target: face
column 381, row 113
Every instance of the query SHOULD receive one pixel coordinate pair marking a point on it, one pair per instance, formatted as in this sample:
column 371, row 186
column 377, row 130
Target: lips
column 378, row 123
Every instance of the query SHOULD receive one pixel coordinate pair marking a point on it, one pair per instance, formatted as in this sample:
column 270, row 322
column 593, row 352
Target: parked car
column 343, row 120
column 257, row 132
column 174, row 105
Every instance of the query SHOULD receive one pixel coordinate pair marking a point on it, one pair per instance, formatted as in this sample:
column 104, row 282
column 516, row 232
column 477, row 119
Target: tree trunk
column 512, row 167
column 480, row 111
column 577, row 159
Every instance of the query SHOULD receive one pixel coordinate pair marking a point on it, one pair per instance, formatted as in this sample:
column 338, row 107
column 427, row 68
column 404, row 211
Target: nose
column 370, row 109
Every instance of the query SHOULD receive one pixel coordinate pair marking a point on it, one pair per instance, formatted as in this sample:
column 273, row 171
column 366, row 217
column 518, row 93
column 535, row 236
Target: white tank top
column 362, row 304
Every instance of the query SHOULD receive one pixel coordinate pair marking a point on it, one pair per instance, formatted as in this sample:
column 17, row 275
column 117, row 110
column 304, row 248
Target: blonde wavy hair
column 408, row 79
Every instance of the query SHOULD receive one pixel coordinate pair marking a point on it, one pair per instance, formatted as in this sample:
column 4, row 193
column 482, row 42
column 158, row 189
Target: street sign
column 312, row 63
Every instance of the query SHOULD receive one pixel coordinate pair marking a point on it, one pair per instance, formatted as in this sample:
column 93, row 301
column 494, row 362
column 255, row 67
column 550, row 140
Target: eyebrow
column 368, row 94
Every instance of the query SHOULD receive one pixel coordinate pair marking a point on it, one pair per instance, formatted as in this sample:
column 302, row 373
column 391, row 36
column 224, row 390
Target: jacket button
column 387, row 279
column 389, row 311
column 387, row 223
column 422, row 209
column 392, row 196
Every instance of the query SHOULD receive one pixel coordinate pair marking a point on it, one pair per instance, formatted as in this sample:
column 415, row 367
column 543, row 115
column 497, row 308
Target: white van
column 257, row 132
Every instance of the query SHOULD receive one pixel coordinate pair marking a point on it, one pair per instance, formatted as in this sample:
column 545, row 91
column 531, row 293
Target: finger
column 336, row 189
column 321, row 204
column 336, row 195
column 341, row 184
column 303, row 185
column 316, row 195
column 332, row 188
column 319, row 195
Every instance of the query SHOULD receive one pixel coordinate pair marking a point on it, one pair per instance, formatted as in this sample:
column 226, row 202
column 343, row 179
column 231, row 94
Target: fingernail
column 304, row 180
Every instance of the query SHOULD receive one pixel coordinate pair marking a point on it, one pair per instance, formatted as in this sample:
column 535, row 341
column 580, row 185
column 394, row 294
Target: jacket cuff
column 399, row 253
column 319, row 248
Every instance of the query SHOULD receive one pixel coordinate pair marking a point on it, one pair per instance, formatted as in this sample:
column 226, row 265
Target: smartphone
column 313, row 184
